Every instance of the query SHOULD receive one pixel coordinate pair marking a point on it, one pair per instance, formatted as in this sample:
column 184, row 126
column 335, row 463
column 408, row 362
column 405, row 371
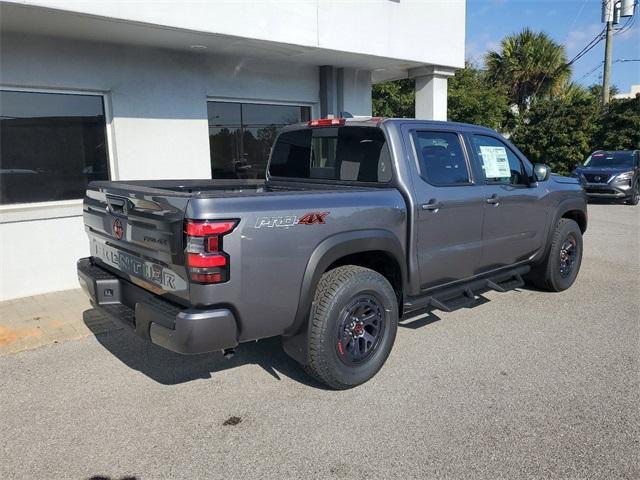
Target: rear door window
column 441, row 158
column 352, row 154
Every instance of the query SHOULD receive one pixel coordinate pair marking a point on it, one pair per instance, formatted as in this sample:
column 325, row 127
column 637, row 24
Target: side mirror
column 541, row 172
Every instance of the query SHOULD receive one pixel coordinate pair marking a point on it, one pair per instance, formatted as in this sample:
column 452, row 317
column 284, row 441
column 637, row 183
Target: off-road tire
column 547, row 275
column 336, row 291
column 634, row 199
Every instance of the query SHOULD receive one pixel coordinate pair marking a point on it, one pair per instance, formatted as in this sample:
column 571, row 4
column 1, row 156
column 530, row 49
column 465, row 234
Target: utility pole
column 607, row 64
column 612, row 11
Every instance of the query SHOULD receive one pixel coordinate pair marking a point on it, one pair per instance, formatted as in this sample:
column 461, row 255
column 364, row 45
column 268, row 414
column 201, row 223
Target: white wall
column 157, row 97
column 159, row 130
column 426, row 31
column 40, row 256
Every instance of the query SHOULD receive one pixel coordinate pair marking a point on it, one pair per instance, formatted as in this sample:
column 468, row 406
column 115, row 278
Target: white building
column 121, row 90
column 635, row 91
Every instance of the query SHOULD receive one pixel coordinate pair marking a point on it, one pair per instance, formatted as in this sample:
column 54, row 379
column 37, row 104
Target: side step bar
column 463, row 295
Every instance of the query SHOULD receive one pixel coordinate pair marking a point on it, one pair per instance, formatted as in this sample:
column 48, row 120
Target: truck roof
column 366, row 121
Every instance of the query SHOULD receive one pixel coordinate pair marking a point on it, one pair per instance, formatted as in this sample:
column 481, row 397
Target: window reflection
column 51, row 146
column 241, row 136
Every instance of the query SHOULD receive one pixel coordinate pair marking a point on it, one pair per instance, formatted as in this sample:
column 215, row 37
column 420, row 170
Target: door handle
column 493, row 200
column 117, row 204
column 432, row 205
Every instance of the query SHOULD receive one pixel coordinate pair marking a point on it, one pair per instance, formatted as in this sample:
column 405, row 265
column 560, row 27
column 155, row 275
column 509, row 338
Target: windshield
column 610, row 160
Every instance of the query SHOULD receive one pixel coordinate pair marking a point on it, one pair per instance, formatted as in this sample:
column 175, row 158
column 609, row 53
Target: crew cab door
column 450, row 206
column 515, row 213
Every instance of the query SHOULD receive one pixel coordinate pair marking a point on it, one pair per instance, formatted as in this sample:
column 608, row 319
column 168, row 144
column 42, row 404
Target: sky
column 572, row 23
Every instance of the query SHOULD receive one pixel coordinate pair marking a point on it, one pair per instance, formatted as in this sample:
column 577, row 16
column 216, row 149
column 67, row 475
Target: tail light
column 207, row 262
column 326, row 122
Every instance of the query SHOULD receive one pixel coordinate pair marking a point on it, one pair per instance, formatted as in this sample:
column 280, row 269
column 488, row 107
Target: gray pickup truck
column 360, row 222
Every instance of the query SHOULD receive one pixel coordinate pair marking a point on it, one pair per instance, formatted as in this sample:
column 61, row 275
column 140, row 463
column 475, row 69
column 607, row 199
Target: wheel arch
column 578, row 216
column 572, row 208
column 377, row 249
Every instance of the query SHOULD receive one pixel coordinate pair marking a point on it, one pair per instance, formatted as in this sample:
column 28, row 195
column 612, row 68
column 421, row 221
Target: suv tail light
column 207, row 262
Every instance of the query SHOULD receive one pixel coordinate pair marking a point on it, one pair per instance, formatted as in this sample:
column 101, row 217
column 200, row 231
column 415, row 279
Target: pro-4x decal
column 311, row 218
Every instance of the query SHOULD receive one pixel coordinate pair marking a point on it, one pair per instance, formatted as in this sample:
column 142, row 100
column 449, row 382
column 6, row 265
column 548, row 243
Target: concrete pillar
column 431, row 92
column 344, row 90
column 356, row 91
column 328, row 91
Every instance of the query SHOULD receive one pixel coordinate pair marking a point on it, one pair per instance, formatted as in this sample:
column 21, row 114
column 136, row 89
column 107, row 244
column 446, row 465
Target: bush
column 562, row 132
column 394, row 99
column 619, row 127
column 473, row 99
column 558, row 132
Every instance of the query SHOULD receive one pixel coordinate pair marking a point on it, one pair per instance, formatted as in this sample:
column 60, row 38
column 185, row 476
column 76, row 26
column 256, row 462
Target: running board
column 465, row 294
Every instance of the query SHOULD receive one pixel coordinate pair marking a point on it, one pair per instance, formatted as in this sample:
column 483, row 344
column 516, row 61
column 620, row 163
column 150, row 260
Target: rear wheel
column 352, row 326
column 560, row 269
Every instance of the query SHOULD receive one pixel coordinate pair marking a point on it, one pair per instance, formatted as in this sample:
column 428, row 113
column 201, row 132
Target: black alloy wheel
column 360, row 328
column 568, row 253
column 352, row 326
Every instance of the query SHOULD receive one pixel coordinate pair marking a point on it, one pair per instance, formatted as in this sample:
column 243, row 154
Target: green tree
column 472, row 98
column 531, row 65
column 559, row 131
column 394, row 99
column 619, row 126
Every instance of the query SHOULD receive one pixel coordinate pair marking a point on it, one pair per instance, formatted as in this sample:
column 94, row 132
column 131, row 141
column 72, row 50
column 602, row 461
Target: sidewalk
column 31, row 322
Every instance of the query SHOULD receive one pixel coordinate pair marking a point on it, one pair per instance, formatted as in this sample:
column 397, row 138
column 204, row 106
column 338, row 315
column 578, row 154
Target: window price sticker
column 495, row 161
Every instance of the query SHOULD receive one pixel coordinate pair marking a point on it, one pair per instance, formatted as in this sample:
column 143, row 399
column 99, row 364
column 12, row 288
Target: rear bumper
column 180, row 330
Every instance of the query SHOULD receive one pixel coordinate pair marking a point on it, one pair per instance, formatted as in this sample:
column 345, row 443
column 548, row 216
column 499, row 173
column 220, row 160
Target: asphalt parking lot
column 524, row 385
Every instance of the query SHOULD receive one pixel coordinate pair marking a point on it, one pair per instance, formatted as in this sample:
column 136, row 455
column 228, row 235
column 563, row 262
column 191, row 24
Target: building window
column 51, row 145
column 241, row 135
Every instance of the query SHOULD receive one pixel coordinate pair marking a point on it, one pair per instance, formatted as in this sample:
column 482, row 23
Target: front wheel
column 634, row 199
column 560, row 269
column 352, row 326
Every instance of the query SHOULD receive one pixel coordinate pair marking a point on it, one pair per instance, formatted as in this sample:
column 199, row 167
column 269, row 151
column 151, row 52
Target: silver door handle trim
column 432, row 206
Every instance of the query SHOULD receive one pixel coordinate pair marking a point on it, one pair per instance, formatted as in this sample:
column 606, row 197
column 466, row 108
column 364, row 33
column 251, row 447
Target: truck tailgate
column 138, row 234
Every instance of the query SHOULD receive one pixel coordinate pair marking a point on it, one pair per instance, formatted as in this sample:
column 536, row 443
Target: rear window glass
column 354, row 154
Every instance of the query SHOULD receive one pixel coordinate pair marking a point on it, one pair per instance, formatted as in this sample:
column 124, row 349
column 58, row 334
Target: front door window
column 498, row 163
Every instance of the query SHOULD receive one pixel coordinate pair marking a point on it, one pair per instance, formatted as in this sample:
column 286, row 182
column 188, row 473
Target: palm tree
column 529, row 64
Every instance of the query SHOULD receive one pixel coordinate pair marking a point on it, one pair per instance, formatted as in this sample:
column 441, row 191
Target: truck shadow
column 169, row 368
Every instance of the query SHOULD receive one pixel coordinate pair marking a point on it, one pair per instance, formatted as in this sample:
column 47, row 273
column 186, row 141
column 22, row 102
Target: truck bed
column 219, row 188
column 267, row 242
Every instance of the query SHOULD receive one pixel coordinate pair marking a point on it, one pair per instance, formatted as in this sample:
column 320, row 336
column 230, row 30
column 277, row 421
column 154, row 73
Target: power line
column 627, row 26
column 597, row 67
column 599, row 37
column 589, row 46
column 619, row 60
column 575, row 19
